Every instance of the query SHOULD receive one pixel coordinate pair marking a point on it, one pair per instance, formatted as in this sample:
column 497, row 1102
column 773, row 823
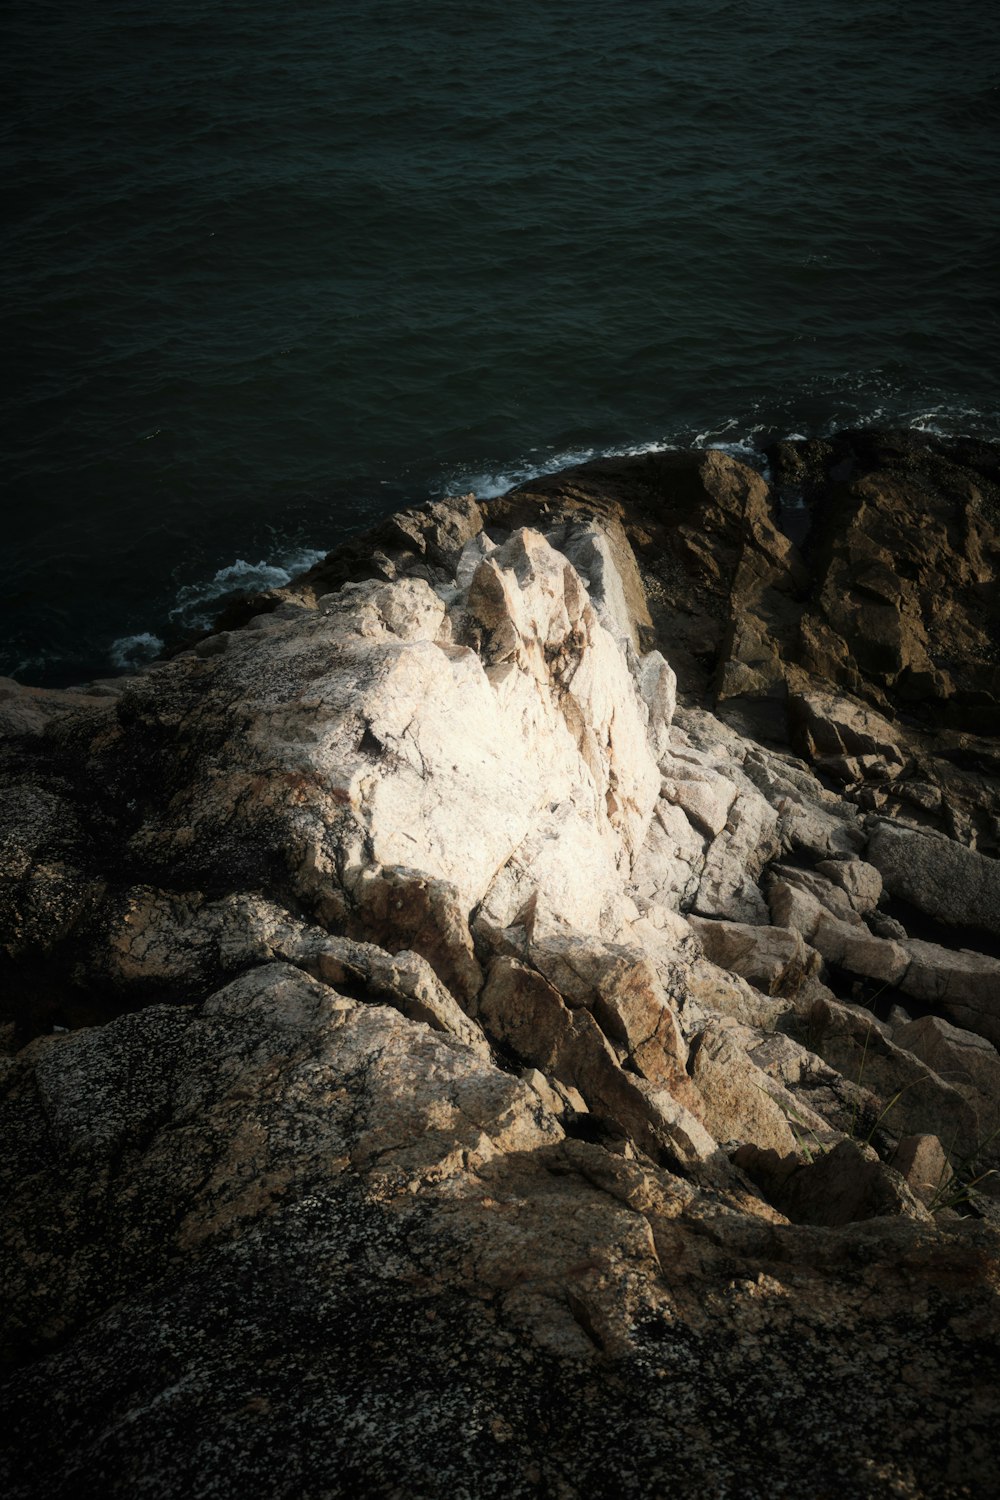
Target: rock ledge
column 516, row 1012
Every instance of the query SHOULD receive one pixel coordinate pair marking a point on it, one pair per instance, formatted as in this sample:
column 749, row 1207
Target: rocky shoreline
column 516, row 1012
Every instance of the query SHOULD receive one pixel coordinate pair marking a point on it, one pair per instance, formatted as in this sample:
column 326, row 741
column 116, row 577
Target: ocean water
column 271, row 271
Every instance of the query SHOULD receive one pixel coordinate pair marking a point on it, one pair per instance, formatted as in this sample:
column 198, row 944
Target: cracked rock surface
column 516, row 1012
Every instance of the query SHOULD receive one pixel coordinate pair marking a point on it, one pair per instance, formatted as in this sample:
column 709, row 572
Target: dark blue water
column 273, row 270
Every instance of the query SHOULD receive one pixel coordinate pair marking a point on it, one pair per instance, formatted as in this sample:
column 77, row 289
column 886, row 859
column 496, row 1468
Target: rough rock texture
column 954, row 884
column 515, row 1013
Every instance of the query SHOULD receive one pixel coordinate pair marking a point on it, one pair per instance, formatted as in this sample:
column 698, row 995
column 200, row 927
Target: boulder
column 403, row 908
column 941, row 878
column 963, row 1059
column 427, row 542
column 819, row 1103
column 556, row 1096
column 621, row 988
column 823, row 913
column 814, row 820
column 603, row 558
column 913, row 1099
column 671, row 861
column 701, row 792
column 860, row 881
column 799, row 898
column 965, row 985
column 775, row 959
column 734, row 860
column 839, row 1187
column 860, row 952
column 847, row 741
column 357, row 762
column 402, row 979
column 524, row 1012
column 738, row 1106
column 922, row 1161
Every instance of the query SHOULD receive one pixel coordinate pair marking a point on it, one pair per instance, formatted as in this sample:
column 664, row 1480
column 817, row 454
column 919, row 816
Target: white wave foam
column 742, row 436
column 941, row 421
column 196, row 604
column 487, row 484
column 131, row 651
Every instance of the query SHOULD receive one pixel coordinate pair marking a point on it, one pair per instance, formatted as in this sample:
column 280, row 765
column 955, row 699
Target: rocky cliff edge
column 516, row 1013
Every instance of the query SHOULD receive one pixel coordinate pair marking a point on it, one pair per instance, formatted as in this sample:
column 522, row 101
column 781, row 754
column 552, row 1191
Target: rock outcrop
column 516, row 1012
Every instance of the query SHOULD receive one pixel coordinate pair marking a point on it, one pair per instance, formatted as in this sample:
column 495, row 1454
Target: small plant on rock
column 960, row 1186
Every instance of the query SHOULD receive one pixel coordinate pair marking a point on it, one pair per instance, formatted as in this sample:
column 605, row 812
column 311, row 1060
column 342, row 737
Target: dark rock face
column 888, row 603
column 516, row 1013
column 292, row 1239
column 904, row 554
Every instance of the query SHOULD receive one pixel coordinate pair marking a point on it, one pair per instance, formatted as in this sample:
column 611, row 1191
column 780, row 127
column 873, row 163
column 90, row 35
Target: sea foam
column 131, row 651
column 198, row 603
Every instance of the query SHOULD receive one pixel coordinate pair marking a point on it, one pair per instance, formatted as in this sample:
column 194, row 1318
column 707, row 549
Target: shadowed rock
column 470, row 958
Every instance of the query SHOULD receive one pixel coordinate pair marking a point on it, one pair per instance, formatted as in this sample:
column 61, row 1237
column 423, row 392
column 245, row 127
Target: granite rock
column 432, row 1057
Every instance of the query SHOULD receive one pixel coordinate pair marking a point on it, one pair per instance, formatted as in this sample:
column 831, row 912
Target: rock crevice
column 471, row 983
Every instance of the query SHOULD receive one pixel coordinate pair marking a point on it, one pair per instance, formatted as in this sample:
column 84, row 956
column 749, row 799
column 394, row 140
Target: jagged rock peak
column 525, row 990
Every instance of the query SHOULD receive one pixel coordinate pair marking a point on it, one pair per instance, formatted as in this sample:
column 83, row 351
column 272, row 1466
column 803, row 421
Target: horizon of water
column 269, row 276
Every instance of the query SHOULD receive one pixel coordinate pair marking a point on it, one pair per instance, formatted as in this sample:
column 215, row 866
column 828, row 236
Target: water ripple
column 267, row 276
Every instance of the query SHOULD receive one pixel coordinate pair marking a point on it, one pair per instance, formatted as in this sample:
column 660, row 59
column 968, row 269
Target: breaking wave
column 197, row 604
